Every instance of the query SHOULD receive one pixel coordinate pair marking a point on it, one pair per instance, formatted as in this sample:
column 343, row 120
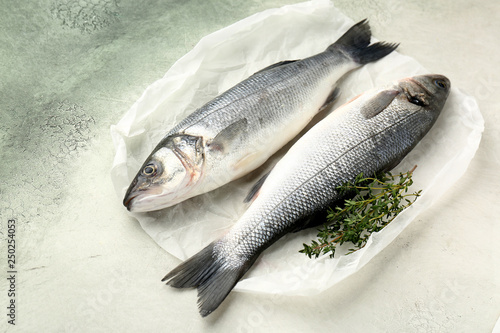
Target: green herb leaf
column 377, row 202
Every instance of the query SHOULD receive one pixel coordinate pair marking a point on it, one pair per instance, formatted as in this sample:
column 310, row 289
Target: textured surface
column 84, row 265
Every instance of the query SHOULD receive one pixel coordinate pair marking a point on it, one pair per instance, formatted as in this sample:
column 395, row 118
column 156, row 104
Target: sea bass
column 371, row 133
column 240, row 129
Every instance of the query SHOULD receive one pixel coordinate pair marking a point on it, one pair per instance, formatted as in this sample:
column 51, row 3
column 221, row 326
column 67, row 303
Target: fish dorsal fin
column 330, row 99
column 278, row 64
column 378, row 103
column 224, row 138
column 255, row 188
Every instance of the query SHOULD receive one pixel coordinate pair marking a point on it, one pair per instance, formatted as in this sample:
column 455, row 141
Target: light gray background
column 69, row 69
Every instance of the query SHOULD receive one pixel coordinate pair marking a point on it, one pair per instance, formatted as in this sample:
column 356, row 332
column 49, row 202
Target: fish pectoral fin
column 278, row 64
column 330, row 99
column 378, row 103
column 223, row 140
column 246, row 162
column 254, row 191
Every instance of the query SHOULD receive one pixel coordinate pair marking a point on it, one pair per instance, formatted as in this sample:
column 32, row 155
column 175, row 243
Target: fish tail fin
column 356, row 43
column 212, row 275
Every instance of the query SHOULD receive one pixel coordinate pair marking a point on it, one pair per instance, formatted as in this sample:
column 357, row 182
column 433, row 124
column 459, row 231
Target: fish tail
column 212, row 275
column 356, row 43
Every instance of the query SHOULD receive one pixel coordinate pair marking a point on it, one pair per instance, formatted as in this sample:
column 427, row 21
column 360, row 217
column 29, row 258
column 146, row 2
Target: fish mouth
column 134, row 197
column 130, row 195
column 127, row 202
column 148, row 200
column 139, row 203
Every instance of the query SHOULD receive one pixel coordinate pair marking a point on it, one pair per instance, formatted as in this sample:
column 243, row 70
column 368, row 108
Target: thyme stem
column 377, row 202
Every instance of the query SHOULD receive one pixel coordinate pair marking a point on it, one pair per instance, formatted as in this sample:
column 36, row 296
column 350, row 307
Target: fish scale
column 315, row 194
column 281, row 83
column 370, row 134
column 245, row 125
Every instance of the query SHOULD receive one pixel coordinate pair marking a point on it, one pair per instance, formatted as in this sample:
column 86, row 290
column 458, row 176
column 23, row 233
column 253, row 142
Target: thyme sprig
column 376, row 201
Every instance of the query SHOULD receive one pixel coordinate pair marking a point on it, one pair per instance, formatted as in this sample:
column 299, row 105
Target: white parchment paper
column 224, row 58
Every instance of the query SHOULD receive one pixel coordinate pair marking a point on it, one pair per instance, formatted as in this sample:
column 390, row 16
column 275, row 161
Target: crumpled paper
column 224, row 58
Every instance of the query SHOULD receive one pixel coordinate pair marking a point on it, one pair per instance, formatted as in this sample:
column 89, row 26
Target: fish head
column 425, row 92
column 168, row 175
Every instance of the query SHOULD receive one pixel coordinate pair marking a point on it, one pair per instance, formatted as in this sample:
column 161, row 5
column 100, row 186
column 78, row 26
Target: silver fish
column 240, row 129
column 369, row 134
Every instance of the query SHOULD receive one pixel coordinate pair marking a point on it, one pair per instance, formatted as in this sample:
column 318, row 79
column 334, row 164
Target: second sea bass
column 372, row 133
column 240, row 129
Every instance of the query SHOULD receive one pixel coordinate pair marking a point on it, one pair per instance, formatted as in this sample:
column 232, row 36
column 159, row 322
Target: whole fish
column 372, row 133
column 240, row 129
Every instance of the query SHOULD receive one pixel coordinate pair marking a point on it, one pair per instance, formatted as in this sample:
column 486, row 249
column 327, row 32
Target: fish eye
column 149, row 169
column 440, row 83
